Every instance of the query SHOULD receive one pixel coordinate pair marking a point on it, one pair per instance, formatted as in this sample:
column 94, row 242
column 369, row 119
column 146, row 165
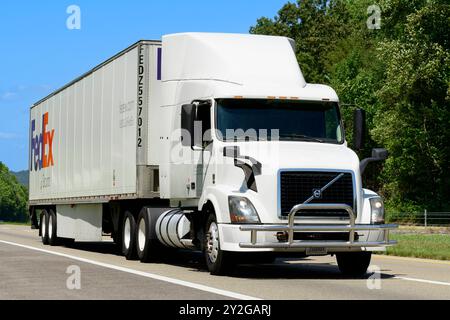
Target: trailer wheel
column 44, row 227
column 146, row 247
column 354, row 263
column 218, row 262
column 52, row 225
column 129, row 236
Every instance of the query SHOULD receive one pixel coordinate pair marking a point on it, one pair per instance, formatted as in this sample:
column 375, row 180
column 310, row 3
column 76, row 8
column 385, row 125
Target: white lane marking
column 192, row 285
column 424, row 281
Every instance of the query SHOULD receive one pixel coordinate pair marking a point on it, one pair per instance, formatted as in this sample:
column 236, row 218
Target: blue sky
column 38, row 54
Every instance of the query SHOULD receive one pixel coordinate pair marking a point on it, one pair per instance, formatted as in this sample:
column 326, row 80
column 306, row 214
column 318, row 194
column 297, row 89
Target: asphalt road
column 30, row 270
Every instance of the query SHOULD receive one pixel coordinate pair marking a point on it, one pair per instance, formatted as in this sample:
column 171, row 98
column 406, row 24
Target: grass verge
column 15, row 223
column 427, row 246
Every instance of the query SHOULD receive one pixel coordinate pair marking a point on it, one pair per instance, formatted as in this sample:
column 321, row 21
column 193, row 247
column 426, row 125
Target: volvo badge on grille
column 317, row 193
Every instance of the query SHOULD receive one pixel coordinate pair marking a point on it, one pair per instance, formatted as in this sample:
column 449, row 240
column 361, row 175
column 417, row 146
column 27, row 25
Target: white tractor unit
column 209, row 142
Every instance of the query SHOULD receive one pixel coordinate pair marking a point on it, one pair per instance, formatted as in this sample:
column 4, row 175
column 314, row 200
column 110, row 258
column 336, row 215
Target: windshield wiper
column 301, row 137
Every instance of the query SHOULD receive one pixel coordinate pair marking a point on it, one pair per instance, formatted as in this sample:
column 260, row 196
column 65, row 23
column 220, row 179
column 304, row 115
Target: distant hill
column 22, row 177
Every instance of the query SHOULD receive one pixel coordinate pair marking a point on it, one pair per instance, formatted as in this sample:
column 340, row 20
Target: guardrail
column 426, row 219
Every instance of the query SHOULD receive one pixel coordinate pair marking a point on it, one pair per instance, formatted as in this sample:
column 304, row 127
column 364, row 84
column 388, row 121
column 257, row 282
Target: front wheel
column 354, row 263
column 218, row 262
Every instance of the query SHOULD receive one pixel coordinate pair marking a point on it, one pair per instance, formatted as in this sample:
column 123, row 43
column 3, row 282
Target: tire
column 129, row 236
column 44, row 227
column 148, row 249
column 354, row 263
column 52, row 231
column 219, row 262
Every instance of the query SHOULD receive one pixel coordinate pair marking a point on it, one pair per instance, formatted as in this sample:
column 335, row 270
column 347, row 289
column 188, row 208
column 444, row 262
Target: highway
column 30, row 270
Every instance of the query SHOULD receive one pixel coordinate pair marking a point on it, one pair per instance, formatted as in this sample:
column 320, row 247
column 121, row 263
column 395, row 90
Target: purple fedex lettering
column 41, row 146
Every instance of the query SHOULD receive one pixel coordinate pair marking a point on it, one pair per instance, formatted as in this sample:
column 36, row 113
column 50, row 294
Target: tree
column 399, row 74
column 413, row 119
column 13, row 197
column 316, row 26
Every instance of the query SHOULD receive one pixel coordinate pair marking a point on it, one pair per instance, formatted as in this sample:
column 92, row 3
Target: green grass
column 428, row 246
column 15, row 223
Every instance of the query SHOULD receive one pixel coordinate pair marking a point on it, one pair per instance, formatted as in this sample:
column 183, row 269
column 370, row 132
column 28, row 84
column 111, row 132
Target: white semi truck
column 210, row 142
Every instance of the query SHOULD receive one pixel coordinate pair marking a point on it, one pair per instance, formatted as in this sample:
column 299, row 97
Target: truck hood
column 275, row 156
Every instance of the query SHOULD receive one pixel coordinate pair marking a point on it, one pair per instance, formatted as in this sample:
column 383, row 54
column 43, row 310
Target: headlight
column 377, row 211
column 242, row 211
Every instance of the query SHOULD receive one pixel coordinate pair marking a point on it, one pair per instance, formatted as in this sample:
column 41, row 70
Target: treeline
column 13, row 197
column 399, row 73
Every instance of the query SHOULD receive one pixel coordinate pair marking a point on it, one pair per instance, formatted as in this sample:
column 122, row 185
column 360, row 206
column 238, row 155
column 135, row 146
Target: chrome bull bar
column 291, row 229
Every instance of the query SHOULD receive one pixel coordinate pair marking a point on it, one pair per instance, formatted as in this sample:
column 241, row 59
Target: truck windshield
column 284, row 120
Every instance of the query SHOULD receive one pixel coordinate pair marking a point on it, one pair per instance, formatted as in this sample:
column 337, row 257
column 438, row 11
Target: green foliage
column 399, row 74
column 13, row 197
column 316, row 26
column 413, row 119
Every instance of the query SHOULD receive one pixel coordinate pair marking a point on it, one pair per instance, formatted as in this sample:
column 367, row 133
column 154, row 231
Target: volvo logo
column 317, row 193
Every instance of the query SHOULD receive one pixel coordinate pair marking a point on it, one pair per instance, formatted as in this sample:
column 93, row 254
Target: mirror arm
column 365, row 162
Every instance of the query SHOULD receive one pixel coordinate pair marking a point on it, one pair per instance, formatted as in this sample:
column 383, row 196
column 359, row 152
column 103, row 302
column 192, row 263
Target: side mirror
column 188, row 115
column 377, row 155
column 380, row 154
column 359, row 129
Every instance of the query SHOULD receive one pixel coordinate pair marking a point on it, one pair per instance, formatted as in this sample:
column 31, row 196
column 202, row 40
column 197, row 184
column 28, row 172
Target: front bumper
column 291, row 228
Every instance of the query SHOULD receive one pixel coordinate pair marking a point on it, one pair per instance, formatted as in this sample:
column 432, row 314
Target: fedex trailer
column 210, row 142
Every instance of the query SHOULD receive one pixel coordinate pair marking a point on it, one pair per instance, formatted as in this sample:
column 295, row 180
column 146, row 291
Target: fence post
column 426, row 218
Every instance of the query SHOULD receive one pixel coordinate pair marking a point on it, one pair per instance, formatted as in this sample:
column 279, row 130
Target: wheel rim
column 142, row 235
column 50, row 226
column 44, row 227
column 127, row 233
column 213, row 242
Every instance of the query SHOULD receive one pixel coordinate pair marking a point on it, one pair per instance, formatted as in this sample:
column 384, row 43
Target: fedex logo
column 41, row 146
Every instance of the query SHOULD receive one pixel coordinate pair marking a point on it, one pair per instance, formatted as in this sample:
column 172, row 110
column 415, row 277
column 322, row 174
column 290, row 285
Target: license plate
column 316, row 251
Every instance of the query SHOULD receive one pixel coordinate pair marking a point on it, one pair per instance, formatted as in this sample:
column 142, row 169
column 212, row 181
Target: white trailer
column 213, row 142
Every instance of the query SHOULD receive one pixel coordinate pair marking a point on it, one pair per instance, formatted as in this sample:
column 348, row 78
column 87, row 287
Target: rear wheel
column 146, row 247
column 44, row 226
column 219, row 262
column 52, row 234
column 354, row 263
column 129, row 236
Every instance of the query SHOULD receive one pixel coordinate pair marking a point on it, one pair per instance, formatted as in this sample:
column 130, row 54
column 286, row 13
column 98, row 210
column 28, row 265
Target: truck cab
column 262, row 157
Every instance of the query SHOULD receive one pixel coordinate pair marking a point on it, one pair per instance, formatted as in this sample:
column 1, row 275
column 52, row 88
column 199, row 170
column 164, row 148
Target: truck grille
column 296, row 187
